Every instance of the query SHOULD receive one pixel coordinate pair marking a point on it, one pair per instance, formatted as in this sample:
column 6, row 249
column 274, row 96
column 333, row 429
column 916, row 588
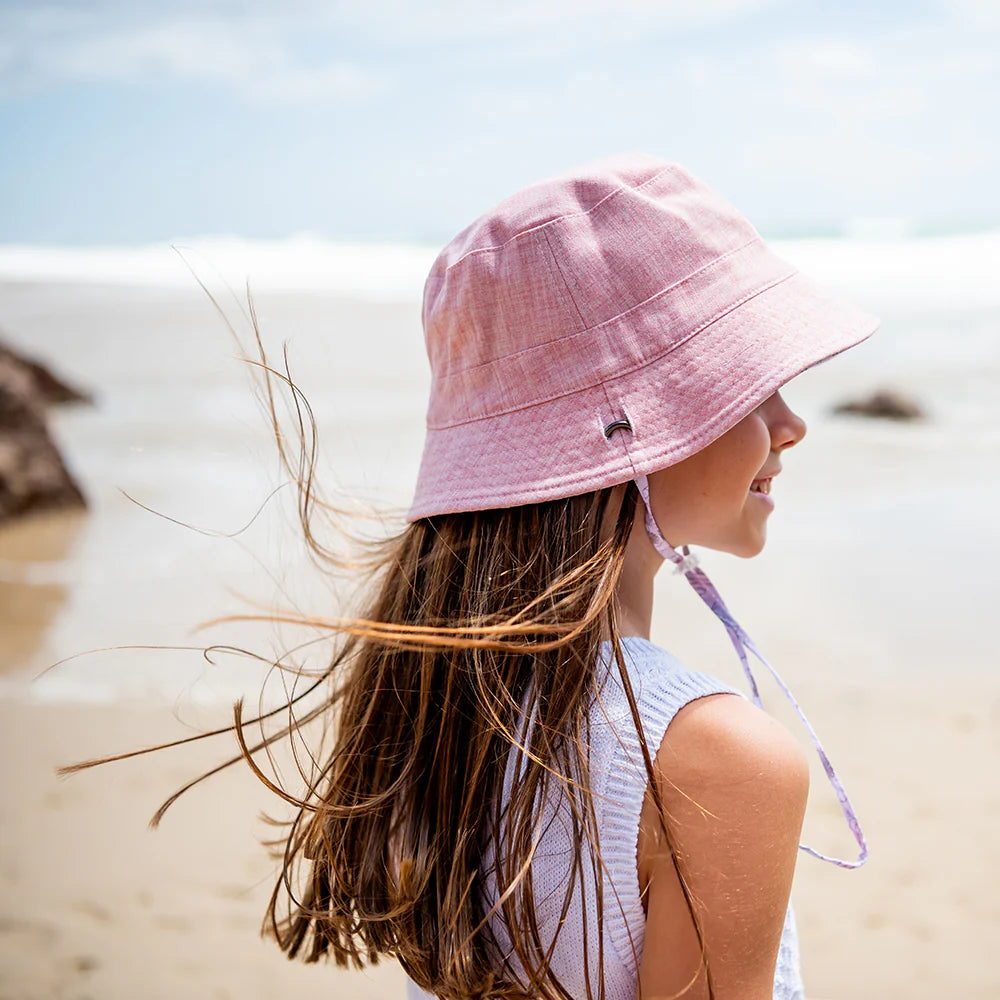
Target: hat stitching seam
column 678, row 284
column 567, row 215
column 565, row 281
column 612, row 319
column 619, row 374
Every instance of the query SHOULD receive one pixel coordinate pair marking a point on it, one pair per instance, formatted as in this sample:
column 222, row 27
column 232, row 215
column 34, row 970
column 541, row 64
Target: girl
column 607, row 349
column 523, row 796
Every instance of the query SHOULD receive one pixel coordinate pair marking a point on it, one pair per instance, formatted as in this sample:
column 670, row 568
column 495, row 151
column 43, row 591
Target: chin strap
column 686, row 563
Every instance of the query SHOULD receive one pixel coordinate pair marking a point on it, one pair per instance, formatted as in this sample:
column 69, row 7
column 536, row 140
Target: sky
column 127, row 122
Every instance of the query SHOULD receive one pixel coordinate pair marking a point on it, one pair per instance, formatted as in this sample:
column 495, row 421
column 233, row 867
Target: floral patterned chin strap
column 687, row 564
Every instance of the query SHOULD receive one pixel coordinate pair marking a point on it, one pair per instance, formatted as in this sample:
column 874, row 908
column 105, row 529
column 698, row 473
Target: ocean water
column 884, row 535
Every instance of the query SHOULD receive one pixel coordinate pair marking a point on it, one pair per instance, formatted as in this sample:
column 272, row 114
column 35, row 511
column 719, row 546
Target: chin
column 749, row 548
column 745, row 548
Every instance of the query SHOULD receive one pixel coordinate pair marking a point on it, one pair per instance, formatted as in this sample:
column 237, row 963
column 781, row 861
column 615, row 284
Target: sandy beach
column 874, row 599
column 97, row 905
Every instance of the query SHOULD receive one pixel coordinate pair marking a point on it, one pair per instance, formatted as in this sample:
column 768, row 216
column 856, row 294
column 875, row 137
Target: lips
column 762, row 484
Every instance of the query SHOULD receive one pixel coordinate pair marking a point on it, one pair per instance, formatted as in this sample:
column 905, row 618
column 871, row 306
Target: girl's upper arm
column 733, row 784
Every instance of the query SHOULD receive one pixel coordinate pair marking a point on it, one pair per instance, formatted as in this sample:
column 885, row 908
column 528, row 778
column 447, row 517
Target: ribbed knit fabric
column 662, row 686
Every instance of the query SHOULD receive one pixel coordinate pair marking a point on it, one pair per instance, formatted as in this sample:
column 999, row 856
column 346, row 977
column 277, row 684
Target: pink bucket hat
column 601, row 325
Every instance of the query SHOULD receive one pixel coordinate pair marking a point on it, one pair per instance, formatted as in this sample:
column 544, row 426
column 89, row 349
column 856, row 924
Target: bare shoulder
column 725, row 741
column 732, row 782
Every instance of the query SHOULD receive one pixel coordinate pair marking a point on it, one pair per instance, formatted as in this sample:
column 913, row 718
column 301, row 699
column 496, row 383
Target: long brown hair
column 474, row 621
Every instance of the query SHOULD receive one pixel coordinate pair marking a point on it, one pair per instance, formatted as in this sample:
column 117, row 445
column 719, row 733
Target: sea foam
column 936, row 270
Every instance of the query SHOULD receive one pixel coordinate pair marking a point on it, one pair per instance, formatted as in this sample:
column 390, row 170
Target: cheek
column 743, row 458
column 737, row 468
column 753, row 449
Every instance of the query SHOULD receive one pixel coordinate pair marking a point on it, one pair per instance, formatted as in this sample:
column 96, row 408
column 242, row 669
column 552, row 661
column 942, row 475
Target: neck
column 634, row 594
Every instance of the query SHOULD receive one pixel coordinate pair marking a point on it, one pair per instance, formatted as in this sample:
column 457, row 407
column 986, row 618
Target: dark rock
column 33, row 476
column 885, row 403
column 51, row 388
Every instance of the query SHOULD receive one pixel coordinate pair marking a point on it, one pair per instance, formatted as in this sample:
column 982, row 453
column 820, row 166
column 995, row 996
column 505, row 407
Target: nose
column 787, row 427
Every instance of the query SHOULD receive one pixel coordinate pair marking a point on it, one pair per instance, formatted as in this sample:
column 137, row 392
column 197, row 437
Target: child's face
column 707, row 498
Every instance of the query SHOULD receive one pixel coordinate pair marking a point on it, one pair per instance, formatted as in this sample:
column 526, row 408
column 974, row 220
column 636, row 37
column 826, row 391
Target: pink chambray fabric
column 624, row 290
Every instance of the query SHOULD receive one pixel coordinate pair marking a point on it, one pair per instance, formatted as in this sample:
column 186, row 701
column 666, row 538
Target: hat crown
column 571, row 252
column 563, row 257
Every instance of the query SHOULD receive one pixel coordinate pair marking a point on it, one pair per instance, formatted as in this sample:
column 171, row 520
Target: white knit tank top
column 662, row 686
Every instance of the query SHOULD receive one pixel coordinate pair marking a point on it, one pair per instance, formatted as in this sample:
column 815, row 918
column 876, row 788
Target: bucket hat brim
column 746, row 355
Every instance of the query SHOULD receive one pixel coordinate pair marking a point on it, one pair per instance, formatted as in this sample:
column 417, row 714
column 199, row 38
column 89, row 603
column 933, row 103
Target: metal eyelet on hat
column 617, row 425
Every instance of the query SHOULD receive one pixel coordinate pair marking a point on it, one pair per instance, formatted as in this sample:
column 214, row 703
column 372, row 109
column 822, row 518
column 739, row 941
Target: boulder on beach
column 33, row 475
column 888, row 404
column 48, row 386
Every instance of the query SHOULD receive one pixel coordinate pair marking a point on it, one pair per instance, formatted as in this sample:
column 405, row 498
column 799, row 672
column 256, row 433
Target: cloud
column 49, row 45
column 269, row 52
column 450, row 20
column 889, row 122
column 855, row 80
column 833, row 58
column 981, row 13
